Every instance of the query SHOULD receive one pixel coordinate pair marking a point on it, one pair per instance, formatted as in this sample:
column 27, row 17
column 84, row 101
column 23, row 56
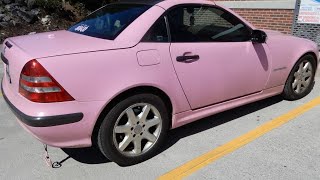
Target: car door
column 213, row 55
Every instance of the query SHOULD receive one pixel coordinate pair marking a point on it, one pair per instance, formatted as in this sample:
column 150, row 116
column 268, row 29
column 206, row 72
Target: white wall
column 264, row 4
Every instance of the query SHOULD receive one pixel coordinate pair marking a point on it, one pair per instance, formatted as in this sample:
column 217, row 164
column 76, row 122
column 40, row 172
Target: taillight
column 37, row 85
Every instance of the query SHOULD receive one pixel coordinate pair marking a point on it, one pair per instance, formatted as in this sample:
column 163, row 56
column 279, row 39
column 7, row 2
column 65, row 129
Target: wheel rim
column 302, row 77
column 137, row 129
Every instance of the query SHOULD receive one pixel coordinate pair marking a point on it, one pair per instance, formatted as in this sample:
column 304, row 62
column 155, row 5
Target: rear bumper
column 45, row 121
column 63, row 125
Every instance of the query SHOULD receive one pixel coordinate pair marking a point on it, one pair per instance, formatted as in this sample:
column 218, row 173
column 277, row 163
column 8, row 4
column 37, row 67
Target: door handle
column 188, row 59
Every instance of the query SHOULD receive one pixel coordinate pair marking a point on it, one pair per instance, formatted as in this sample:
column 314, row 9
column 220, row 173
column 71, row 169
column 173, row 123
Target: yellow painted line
column 205, row 159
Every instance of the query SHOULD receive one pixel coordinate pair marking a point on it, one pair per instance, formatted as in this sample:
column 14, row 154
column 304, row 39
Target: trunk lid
column 17, row 51
column 59, row 43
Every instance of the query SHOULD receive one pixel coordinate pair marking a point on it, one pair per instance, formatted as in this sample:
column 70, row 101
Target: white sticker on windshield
column 82, row 28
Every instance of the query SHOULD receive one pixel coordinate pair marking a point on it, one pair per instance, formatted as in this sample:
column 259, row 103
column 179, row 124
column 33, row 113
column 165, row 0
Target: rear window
column 109, row 21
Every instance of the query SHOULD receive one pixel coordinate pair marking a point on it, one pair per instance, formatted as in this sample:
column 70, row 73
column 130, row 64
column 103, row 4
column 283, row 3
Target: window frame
column 202, row 5
column 163, row 16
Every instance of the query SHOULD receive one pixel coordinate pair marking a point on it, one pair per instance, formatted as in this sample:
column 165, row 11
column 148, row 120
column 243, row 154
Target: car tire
column 300, row 81
column 130, row 121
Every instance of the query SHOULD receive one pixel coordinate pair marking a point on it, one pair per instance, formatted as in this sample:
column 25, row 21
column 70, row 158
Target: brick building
column 265, row 14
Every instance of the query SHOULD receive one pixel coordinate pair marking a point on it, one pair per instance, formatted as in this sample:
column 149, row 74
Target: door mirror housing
column 258, row 36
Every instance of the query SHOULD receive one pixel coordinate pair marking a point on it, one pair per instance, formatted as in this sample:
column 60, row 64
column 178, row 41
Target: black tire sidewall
column 105, row 136
column 289, row 92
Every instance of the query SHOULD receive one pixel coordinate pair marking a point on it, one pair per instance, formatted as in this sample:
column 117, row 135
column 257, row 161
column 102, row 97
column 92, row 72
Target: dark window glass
column 205, row 24
column 109, row 21
column 157, row 33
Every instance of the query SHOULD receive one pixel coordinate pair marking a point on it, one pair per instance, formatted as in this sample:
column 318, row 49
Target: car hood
column 278, row 35
column 59, row 43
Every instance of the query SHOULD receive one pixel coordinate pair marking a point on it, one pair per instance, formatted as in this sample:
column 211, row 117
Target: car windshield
column 109, row 21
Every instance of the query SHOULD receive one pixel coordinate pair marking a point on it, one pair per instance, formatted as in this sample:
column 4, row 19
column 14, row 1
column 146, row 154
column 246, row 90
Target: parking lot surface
column 291, row 151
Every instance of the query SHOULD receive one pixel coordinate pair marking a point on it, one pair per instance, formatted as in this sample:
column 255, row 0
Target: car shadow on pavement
column 92, row 155
column 218, row 119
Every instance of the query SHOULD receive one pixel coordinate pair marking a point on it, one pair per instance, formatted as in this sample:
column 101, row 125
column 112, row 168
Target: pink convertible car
column 132, row 70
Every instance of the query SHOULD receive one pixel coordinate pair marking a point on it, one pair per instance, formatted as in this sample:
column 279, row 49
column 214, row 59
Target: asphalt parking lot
column 291, row 151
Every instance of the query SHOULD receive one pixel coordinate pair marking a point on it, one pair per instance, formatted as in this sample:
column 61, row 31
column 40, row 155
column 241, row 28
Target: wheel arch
column 293, row 63
column 303, row 51
column 123, row 95
column 288, row 93
column 314, row 56
column 299, row 57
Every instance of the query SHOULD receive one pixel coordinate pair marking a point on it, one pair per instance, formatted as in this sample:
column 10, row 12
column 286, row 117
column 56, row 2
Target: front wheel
column 134, row 129
column 301, row 79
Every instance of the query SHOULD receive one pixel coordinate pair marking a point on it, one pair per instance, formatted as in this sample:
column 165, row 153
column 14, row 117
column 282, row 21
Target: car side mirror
column 258, row 36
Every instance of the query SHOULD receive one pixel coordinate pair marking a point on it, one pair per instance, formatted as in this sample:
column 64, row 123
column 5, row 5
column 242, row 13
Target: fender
column 285, row 52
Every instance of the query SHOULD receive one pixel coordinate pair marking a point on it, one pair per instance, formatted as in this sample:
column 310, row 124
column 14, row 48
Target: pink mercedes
column 132, row 70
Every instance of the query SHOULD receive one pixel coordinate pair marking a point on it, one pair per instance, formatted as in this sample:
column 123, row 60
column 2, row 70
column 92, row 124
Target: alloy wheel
column 302, row 77
column 137, row 129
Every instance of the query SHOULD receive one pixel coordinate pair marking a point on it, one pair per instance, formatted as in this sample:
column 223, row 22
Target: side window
column 191, row 23
column 157, row 33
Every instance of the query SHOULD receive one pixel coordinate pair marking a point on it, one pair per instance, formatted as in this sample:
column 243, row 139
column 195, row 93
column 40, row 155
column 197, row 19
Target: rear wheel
column 301, row 79
column 134, row 129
